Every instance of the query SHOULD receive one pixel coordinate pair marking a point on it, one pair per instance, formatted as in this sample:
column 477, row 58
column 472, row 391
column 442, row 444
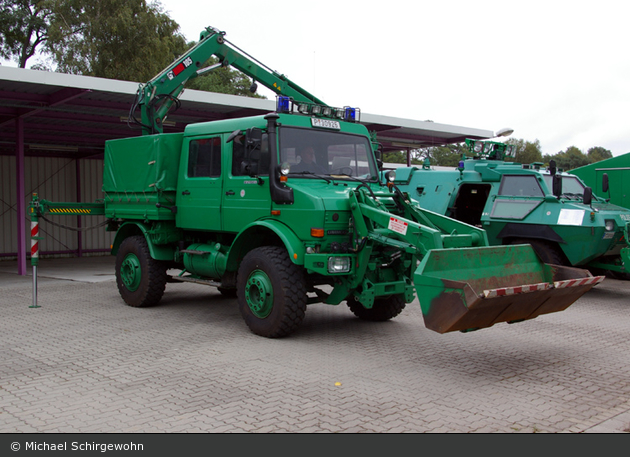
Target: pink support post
column 21, row 206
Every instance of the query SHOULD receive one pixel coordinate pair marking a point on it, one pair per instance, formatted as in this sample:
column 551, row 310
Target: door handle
column 230, row 192
column 186, row 192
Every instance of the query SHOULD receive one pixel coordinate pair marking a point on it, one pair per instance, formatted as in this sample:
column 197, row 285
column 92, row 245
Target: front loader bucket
column 473, row 288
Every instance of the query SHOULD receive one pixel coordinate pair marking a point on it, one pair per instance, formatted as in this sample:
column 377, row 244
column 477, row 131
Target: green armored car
column 525, row 203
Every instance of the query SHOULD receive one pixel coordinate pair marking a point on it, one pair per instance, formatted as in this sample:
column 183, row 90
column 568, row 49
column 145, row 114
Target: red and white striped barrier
column 515, row 290
column 504, row 291
column 578, row 282
column 34, row 240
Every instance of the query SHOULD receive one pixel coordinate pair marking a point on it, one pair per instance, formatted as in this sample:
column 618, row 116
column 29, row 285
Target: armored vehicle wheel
column 547, row 251
column 271, row 292
column 140, row 278
column 383, row 309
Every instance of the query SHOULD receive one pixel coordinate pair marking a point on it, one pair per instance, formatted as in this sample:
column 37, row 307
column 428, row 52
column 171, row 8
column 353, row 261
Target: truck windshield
column 316, row 152
column 571, row 186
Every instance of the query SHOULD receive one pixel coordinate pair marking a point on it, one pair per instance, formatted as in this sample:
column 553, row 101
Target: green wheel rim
column 130, row 272
column 259, row 294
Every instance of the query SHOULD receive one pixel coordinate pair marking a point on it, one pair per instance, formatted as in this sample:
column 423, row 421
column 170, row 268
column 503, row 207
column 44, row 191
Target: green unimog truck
column 222, row 204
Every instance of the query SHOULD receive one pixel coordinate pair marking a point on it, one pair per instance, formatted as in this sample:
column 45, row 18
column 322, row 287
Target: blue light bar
column 283, row 104
column 351, row 114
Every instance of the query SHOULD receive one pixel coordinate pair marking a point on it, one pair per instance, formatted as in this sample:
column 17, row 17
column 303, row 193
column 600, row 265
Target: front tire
column 546, row 250
column 382, row 310
column 271, row 292
column 141, row 279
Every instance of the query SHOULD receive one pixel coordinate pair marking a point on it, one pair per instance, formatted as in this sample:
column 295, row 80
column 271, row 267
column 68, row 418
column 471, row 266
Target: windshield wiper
column 571, row 195
column 310, row 173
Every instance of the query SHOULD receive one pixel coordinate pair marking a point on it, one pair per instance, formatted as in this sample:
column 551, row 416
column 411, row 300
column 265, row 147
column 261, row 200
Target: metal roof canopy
column 72, row 116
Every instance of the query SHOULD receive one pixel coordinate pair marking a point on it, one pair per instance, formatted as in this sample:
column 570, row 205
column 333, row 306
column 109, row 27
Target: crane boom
column 156, row 97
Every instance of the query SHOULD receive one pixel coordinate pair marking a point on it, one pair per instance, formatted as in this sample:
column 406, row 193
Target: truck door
column 246, row 198
column 470, row 202
column 199, row 186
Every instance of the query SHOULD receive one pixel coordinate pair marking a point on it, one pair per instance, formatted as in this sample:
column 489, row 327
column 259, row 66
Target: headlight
column 339, row 264
column 610, row 225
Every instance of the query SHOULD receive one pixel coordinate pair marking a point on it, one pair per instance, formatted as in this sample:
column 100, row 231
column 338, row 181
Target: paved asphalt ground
column 86, row 363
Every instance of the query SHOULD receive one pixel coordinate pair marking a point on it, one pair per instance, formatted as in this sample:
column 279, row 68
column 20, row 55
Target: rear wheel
column 141, row 279
column 383, row 309
column 549, row 252
column 271, row 292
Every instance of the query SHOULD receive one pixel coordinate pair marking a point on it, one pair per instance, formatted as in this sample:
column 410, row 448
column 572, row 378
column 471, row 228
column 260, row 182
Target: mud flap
column 473, row 288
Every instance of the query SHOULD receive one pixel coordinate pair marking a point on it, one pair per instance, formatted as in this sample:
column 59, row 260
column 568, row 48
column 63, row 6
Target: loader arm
column 156, row 97
column 462, row 282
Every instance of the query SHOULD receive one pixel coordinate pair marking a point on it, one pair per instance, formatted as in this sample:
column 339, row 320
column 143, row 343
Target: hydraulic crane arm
column 156, row 97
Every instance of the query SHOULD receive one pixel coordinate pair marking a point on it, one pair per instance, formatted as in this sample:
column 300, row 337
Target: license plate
column 325, row 123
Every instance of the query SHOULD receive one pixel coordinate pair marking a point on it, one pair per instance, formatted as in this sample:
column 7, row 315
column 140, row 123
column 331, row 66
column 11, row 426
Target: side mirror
column 557, row 185
column 253, row 143
column 605, row 182
column 588, row 196
column 253, row 139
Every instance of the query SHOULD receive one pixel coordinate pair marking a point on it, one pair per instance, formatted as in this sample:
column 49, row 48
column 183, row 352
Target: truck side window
column 204, row 158
column 520, row 186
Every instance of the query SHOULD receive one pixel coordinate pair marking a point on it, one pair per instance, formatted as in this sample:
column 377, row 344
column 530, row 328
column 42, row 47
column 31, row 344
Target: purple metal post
column 21, row 206
column 79, row 233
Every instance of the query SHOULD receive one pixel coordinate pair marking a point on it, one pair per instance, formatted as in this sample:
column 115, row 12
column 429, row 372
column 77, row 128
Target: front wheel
column 271, row 292
column 382, row 310
column 548, row 252
column 141, row 279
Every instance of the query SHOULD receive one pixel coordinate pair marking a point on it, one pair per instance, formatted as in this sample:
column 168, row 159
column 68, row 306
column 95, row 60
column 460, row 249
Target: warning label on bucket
column 397, row 226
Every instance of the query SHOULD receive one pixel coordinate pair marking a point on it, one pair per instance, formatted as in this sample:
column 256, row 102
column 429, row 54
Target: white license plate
column 325, row 123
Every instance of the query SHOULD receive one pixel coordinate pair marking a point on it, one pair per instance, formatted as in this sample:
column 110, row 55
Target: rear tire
column 383, row 309
column 549, row 252
column 141, row 279
column 271, row 292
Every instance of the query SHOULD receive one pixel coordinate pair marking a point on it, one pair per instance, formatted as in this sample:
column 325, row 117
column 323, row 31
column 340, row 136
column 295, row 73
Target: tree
column 597, row 154
column 526, row 151
column 23, row 28
column 446, row 156
column 569, row 159
column 120, row 39
column 395, row 157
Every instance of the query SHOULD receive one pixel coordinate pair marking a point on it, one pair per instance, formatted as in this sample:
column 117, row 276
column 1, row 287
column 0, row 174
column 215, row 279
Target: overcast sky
column 554, row 70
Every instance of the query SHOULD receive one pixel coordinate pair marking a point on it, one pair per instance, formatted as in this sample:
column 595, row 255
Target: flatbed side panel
column 140, row 173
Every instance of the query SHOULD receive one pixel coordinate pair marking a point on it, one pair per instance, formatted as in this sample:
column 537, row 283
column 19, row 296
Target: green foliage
column 526, row 151
column 395, row 157
column 446, row 156
column 130, row 40
column 574, row 157
column 597, row 154
column 569, row 159
column 120, row 39
column 23, row 28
